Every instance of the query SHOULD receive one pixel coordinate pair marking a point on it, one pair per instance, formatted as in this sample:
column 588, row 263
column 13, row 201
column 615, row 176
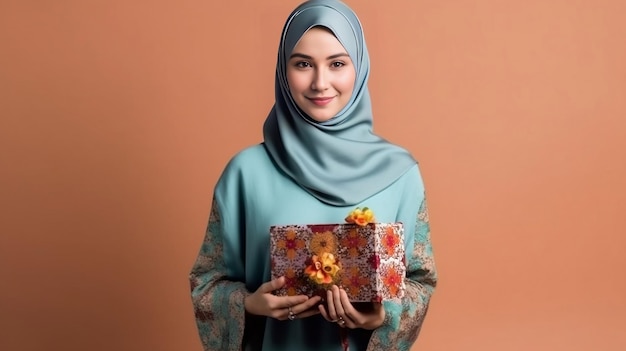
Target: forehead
column 319, row 39
column 330, row 19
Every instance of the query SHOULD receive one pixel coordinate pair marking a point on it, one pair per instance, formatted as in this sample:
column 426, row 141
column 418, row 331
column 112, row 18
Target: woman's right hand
column 263, row 303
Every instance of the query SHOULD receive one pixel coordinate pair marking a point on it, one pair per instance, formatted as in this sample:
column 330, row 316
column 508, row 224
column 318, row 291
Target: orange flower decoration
column 353, row 241
column 323, row 242
column 353, row 281
column 291, row 281
column 323, row 268
column 390, row 241
column 392, row 280
column 291, row 244
column 361, row 217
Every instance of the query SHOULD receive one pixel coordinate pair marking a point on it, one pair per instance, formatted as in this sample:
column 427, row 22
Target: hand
column 368, row 316
column 263, row 303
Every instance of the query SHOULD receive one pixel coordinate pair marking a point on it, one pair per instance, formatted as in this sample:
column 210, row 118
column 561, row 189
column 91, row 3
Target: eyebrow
column 307, row 57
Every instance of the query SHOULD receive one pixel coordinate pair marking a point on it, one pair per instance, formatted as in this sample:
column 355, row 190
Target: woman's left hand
column 339, row 310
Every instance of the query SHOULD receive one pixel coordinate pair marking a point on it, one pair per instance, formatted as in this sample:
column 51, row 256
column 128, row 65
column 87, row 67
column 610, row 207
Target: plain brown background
column 118, row 116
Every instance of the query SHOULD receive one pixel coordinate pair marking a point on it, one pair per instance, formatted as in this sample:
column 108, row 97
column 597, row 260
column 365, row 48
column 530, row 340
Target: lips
column 321, row 101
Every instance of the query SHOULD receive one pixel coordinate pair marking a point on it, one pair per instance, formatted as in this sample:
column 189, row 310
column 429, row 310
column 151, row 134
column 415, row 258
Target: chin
column 320, row 118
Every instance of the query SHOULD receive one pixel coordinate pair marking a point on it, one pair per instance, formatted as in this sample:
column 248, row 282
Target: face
column 320, row 74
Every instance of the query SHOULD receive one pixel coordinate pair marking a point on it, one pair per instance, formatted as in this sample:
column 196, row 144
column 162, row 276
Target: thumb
column 272, row 285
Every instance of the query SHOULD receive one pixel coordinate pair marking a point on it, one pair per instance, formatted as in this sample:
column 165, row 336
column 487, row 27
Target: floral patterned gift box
column 366, row 259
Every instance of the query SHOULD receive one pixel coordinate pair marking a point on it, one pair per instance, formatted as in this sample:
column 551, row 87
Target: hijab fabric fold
column 340, row 161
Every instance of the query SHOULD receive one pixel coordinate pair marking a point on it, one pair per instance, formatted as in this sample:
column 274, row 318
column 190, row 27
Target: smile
column 321, row 101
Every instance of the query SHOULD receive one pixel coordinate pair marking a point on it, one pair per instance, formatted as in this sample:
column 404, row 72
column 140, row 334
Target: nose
column 320, row 80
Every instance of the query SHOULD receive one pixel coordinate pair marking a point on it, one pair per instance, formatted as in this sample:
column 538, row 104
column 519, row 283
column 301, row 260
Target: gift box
column 367, row 261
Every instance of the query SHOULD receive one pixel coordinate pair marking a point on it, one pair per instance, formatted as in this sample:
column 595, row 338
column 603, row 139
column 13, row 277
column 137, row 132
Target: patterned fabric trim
column 404, row 317
column 218, row 303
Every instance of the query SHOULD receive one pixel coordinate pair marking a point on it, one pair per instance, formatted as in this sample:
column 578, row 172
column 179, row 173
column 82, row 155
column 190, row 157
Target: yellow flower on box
column 323, row 268
column 361, row 217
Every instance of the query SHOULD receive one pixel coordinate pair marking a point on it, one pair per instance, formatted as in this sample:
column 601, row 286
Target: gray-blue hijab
column 339, row 161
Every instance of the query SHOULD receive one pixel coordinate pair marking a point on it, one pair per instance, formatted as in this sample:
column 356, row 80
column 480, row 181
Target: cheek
column 346, row 83
column 296, row 81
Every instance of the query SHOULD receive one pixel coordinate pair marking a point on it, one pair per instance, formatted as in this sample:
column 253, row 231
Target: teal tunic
column 252, row 195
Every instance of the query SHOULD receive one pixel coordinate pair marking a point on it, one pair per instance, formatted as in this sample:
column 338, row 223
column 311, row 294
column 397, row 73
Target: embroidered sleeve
column 218, row 303
column 404, row 318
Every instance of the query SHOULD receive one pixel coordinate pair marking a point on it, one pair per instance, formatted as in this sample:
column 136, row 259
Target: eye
column 337, row 64
column 302, row 64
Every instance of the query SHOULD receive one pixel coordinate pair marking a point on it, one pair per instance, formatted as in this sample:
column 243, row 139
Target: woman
column 319, row 160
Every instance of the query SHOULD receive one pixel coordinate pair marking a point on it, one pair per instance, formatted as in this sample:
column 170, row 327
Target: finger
column 324, row 313
column 301, row 310
column 280, row 304
column 282, row 314
column 292, row 301
column 305, row 305
column 304, row 314
column 345, row 311
column 330, row 300
column 307, row 313
column 337, row 304
column 351, row 316
column 348, row 310
column 285, row 312
column 272, row 285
